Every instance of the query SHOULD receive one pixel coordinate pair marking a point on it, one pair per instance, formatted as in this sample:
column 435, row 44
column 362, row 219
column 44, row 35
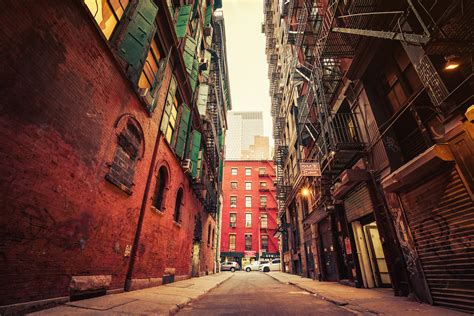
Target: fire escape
column 333, row 139
column 211, row 125
column 325, row 36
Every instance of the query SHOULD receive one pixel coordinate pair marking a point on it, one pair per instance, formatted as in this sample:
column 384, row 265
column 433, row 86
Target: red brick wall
column 62, row 93
column 240, row 228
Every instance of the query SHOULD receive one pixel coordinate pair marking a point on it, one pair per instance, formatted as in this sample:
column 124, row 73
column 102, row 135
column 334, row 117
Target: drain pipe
column 133, row 254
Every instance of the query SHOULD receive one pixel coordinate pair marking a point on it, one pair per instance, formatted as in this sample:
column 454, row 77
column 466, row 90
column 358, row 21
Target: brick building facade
column 108, row 179
column 249, row 211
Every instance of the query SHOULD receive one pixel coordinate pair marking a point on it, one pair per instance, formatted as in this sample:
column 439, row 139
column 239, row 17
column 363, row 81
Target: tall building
column 243, row 127
column 372, row 120
column 249, row 212
column 259, row 150
column 112, row 136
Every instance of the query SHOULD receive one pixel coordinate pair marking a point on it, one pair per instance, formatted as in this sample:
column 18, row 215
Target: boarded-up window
column 122, row 168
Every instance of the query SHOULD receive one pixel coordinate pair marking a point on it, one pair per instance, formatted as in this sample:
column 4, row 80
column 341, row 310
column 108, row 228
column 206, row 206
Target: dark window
column 122, row 169
column 177, row 207
column 233, row 219
column 248, row 242
column 265, row 243
column 161, row 182
column 209, row 234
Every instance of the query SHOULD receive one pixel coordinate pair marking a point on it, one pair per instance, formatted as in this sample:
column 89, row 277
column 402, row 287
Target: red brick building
column 249, row 211
column 108, row 177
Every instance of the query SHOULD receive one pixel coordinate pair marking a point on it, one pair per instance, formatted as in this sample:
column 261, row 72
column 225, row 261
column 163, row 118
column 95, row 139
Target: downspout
column 133, row 254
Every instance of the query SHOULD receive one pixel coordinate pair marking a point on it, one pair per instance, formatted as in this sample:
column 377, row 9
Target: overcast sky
column 246, row 58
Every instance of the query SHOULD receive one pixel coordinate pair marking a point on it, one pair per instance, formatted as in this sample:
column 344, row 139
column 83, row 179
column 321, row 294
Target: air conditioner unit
column 203, row 63
column 146, row 96
column 232, row 224
column 187, row 165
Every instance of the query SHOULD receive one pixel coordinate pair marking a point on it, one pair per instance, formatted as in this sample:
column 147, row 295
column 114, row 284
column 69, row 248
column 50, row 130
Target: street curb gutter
column 175, row 309
column 344, row 304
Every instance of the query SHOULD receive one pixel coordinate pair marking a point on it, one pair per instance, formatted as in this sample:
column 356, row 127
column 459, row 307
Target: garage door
column 441, row 217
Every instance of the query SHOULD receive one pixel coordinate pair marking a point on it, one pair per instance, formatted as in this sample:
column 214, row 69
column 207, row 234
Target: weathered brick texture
column 62, row 95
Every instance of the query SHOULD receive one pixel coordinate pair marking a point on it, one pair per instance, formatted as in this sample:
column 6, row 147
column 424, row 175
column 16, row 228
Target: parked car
column 231, row 266
column 254, row 266
column 274, row 265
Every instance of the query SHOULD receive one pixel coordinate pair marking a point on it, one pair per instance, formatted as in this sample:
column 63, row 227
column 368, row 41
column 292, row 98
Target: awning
column 232, row 254
column 417, row 169
column 315, row 216
column 349, row 178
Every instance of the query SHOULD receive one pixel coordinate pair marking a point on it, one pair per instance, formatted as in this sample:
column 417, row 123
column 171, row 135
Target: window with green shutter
column 182, row 20
column 138, row 35
column 183, row 131
column 207, row 57
column 170, row 112
column 193, row 78
column 208, row 18
column 194, row 151
column 188, row 53
column 202, row 98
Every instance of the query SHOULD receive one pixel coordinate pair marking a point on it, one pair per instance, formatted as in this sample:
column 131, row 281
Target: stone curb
column 345, row 304
column 175, row 309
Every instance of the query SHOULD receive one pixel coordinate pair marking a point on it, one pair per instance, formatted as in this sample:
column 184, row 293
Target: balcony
column 339, row 143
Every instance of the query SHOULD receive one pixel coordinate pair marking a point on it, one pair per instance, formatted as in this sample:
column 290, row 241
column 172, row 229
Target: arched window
column 209, row 234
column 129, row 150
column 213, row 235
column 177, row 206
column 161, row 182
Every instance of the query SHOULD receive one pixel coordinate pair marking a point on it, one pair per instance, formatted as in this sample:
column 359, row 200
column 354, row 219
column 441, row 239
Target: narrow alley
column 227, row 157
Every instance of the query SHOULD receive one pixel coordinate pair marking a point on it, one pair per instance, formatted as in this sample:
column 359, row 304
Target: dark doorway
column 328, row 251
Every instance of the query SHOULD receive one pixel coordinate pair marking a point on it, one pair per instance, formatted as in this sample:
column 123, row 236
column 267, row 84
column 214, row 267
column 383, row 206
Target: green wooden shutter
column 138, row 35
column 183, row 131
column 202, row 98
column 189, row 53
column 196, row 8
column 207, row 56
column 208, row 18
column 193, row 79
column 168, row 105
column 182, row 21
column 194, row 156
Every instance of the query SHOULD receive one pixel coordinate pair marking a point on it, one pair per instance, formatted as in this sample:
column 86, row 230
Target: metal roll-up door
column 440, row 214
column 358, row 203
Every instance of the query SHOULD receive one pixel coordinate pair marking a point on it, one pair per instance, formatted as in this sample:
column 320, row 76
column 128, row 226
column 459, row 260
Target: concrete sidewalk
column 362, row 301
column 161, row 300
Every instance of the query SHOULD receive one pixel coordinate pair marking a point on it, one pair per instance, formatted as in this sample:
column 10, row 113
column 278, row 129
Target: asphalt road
column 256, row 293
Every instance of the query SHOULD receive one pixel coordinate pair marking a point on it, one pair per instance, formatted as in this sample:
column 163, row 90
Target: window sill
column 157, row 211
column 175, row 223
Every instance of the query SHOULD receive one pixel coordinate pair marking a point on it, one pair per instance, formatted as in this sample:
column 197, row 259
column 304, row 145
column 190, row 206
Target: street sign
column 250, row 253
column 310, row 169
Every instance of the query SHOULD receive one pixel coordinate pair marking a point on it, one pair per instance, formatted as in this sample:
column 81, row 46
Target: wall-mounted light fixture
column 452, row 62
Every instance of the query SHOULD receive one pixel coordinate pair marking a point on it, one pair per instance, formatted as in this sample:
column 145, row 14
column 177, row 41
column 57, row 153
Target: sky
column 246, row 58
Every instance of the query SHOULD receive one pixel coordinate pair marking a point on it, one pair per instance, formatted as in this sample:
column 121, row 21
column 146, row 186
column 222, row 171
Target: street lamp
column 305, row 192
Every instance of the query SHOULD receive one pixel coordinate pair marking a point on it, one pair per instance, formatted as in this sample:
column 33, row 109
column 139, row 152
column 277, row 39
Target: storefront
column 232, row 256
column 359, row 210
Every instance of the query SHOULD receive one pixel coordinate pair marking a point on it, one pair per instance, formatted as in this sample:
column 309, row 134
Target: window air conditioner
column 187, row 165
